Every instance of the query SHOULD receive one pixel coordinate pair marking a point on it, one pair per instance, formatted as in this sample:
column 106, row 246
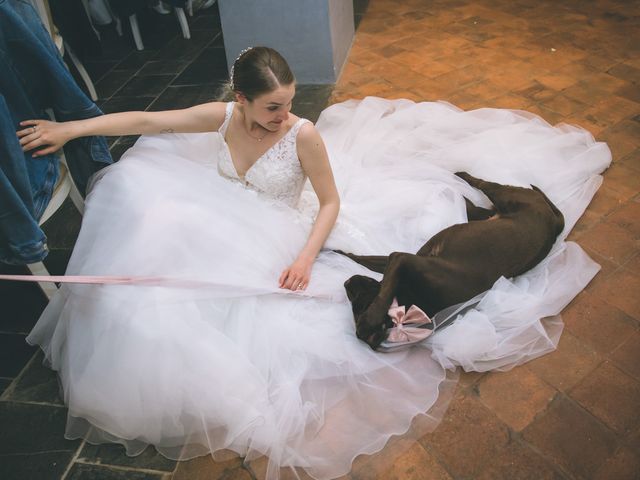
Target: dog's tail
column 376, row 263
column 556, row 212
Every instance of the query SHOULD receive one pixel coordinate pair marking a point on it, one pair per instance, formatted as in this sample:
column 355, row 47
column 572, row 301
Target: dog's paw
column 372, row 335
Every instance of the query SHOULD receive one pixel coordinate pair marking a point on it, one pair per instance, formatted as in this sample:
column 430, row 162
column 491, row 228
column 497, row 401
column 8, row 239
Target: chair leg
column 76, row 198
column 133, row 20
column 182, row 19
column 190, row 7
column 118, row 26
column 115, row 18
column 48, row 288
column 83, row 73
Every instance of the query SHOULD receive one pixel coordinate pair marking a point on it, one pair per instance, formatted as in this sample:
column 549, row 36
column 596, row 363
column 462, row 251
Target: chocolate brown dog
column 459, row 262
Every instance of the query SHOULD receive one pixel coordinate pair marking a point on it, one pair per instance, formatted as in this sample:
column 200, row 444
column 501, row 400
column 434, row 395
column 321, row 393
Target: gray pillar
column 313, row 35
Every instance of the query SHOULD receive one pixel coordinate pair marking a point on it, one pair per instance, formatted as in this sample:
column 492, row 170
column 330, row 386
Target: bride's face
column 271, row 110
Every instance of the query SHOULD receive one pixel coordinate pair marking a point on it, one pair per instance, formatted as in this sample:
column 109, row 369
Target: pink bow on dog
column 403, row 332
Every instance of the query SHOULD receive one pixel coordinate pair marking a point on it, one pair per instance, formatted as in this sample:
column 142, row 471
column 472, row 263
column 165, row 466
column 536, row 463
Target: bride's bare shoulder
column 210, row 114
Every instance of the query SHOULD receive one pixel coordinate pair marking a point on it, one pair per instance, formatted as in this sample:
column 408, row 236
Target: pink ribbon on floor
column 157, row 281
column 404, row 332
column 105, row 279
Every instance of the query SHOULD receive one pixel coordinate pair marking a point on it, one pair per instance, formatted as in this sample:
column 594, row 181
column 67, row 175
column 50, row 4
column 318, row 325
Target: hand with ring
column 43, row 136
column 297, row 275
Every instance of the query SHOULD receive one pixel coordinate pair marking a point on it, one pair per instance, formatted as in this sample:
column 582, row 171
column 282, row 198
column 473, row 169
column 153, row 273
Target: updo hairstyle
column 259, row 70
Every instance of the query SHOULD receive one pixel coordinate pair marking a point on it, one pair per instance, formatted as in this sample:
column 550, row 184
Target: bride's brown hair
column 259, row 70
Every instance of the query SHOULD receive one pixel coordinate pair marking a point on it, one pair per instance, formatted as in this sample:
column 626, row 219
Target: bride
column 249, row 346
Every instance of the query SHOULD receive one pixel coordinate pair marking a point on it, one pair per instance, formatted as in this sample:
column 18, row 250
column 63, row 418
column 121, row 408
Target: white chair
column 135, row 30
column 43, row 10
column 65, row 187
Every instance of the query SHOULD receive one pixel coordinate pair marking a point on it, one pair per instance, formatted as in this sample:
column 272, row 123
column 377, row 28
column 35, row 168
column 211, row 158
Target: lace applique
column 277, row 174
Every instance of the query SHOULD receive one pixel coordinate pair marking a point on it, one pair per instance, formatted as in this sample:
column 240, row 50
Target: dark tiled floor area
column 573, row 414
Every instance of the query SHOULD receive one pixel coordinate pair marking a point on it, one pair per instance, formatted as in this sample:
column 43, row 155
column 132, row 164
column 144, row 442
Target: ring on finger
column 35, row 128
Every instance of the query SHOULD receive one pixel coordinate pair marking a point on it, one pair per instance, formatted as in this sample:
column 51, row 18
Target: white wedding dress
column 233, row 363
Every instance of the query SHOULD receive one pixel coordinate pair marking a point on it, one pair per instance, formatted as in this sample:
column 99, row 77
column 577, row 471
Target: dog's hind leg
column 377, row 263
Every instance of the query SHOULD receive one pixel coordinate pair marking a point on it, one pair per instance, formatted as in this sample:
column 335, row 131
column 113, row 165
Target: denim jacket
column 33, row 78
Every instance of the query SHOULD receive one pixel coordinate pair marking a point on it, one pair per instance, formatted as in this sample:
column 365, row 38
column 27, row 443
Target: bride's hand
column 44, row 135
column 297, row 276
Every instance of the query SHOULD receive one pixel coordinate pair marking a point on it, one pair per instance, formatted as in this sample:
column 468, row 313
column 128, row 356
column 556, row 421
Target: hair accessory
column 234, row 66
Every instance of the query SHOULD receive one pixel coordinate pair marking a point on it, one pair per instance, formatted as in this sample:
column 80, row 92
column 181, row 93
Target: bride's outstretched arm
column 46, row 137
column 315, row 162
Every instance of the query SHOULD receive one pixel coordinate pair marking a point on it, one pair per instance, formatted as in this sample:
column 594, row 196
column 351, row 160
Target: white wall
column 313, row 35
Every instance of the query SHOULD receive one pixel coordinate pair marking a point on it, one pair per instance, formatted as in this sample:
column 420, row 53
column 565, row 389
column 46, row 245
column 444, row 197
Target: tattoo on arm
column 167, row 130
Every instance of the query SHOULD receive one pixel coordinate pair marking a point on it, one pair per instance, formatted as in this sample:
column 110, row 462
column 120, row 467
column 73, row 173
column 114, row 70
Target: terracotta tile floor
column 574, row 413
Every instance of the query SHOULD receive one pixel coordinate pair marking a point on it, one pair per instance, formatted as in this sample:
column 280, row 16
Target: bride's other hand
column 297, row 276
column 43, row 135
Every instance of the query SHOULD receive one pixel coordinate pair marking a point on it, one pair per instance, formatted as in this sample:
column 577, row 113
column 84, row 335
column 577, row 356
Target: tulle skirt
column 233, row 363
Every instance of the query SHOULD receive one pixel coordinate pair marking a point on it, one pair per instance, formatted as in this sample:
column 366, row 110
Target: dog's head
column 371, row 324
column 361, row 291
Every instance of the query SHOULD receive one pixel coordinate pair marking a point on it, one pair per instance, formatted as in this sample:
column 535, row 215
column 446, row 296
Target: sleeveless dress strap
column 227, row 116
column 297, row 126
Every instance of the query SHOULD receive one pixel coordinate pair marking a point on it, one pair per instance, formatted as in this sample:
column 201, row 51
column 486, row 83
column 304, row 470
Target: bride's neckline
column 261, row 156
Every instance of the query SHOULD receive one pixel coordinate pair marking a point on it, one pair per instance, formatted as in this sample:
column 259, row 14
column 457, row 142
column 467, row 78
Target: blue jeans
column 33, row 77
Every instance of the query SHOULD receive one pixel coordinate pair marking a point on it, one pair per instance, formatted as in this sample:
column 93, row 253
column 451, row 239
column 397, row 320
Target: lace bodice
column 277, row 173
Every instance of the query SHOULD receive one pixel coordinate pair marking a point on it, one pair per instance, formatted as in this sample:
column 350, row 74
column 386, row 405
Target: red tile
column 547, row 114
column 568, row 365
column 538, row 92
column 510, row 101
column 587, row 221
column 629, row 91
column 516, row 396
column 204, row 468
column 605, row 201
column 628, row 215
column 586, row 93
column 556, row 81
column 632, row 160
column 611, row 241
column 572, row 438
column 517, row 460
column 612, row 110
column 413, row 464
column 623, row 465
column 612, row 396
column 596, row 322
column 624, row 180
column 621, row 291
column 431, row 69
column 564, row 105
column 619, row 141
column 627, row 356
column 599, row 62
column 468, row 437
column 258, row 469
